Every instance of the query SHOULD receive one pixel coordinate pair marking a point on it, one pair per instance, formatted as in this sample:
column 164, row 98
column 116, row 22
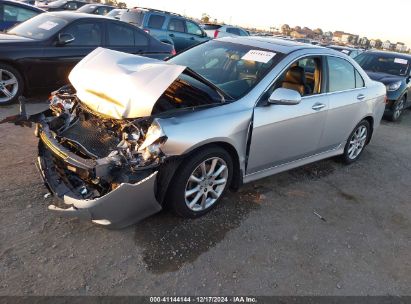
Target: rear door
column 347, row 93
column 177, row 32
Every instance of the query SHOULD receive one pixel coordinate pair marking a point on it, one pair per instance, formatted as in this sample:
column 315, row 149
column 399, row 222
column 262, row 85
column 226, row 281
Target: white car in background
column 219, row 30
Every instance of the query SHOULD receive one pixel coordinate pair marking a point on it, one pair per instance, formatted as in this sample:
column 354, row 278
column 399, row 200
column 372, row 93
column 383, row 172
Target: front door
column 59, row 60
column 285, row 133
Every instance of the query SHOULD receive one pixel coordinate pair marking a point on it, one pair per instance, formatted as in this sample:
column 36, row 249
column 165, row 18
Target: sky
column 387, row 20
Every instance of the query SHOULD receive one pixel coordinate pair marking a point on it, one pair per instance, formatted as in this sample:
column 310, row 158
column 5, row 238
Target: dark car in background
column 14, row 12
column 96, row 9
column 63, row 5
column 167, row 27
column 393, row 70
column 349, row 51
column 39, row 54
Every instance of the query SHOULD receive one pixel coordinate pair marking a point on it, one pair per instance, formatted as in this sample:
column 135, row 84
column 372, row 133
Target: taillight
column 386, row 99
column 173, row 52
column 147, row 31
column 216, row 33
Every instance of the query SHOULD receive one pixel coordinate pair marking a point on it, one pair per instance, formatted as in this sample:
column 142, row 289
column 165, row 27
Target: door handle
column 360, row 96
column 192, row 38
column 318, row 106
column 171, row 35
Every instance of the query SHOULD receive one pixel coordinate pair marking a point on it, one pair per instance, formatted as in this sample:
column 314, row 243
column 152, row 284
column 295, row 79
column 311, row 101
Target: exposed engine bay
column 121, row 149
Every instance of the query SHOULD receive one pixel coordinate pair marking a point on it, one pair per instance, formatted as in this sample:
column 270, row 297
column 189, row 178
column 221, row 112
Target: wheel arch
column 370, row 120
column 171, row 166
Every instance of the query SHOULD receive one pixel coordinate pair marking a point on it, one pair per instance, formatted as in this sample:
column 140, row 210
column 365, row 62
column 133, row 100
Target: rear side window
column 243, row 33
column 359, row 81
column 341, row 75
column 140, row 39
column 176, row 25
column 193, row 29
column 133, row 16
column 119, row 35
column 71, row 6
column 234, row 31
column 103, row 10
column 156, row 21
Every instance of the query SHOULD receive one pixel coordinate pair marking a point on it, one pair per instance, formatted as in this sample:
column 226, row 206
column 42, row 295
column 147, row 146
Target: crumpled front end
column 103, row 169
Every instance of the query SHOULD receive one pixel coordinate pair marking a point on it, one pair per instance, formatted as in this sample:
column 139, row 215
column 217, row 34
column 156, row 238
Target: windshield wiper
column 207, row 82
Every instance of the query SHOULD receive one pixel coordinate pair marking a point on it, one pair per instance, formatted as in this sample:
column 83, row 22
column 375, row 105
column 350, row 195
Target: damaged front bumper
column 123, row 206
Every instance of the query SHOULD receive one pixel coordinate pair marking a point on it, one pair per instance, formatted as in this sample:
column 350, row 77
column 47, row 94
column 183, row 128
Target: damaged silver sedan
column 130, row 135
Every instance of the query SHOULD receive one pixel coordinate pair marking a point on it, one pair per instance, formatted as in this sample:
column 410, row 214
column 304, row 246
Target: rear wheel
column 200, row 182
column 398, row 108
column 356, row 142
column 11, row 84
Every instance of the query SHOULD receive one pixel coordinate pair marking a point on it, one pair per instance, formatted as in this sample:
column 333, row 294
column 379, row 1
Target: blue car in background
column 167, row 27
column 14, row 12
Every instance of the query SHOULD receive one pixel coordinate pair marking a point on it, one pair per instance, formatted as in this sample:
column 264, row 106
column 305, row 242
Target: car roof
column 22, row 4
column 389, row 54
column 97, row 4
column 341, row 47
column 73, row 15
column 270, row 43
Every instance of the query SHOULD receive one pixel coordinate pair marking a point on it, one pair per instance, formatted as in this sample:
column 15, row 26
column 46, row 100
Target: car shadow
column 169, row 241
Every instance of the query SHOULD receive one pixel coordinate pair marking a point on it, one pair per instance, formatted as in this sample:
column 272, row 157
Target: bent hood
column 384, row 77
column 121, row 85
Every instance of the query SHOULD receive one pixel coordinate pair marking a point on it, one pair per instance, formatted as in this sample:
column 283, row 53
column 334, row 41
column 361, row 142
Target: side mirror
column 203, row 34
column 64, row 38
column 284, row 96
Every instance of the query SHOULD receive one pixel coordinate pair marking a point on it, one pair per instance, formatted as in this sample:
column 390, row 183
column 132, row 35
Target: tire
column 184, row 199
column 11, row 84
column 356, row 142
column 398, row 108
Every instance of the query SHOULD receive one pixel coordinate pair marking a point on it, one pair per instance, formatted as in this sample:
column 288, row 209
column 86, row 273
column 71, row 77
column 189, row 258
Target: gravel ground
column 263, row 240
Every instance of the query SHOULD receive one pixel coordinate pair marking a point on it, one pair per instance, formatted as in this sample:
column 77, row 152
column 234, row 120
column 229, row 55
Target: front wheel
column 356, row 142
column 200, row 182
column 398, row 108
column 11, row 84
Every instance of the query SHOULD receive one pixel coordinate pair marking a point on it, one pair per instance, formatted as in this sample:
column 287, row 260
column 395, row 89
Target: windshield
column 389, row 64
column 41, row 27
column 234, row 68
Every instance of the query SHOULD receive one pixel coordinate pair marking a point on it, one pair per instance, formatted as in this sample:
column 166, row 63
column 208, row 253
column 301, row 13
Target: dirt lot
column 262, row 240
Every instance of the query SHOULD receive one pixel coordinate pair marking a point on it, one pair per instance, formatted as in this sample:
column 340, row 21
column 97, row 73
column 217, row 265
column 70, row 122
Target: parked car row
column 44, row 43
column 38, row 54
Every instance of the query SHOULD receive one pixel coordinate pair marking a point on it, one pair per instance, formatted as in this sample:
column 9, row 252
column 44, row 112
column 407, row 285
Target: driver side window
column 85, row 34
column 303, row 76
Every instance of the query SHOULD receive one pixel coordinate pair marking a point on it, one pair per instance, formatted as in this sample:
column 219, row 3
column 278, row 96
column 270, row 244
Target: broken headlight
column 154, row 139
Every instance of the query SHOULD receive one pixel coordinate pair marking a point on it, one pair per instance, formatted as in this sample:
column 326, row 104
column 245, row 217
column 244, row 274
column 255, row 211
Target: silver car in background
column 133, row 134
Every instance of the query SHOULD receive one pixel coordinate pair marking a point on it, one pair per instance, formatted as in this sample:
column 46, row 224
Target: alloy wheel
column 8, row 86
column 399, row 107
column 357, row 142
column 206, row 184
